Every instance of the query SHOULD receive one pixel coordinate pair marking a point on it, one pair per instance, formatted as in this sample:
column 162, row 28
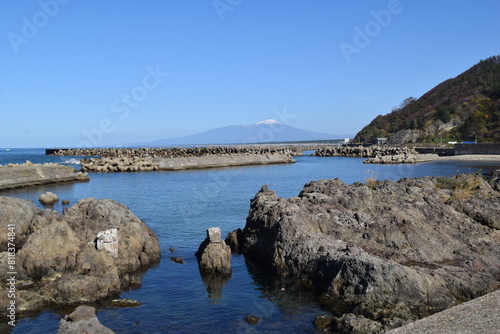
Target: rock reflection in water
column 287, row 292
column 214, row 283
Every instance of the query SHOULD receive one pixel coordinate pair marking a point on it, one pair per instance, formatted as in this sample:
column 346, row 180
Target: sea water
column 179, row 206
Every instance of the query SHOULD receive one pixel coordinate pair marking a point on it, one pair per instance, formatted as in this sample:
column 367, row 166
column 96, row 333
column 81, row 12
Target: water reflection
column 214, row 283
column 288, row 293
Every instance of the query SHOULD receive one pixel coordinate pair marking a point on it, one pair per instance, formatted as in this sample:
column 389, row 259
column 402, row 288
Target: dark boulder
column 252, row 319
column 177, row 259
column 234, row 240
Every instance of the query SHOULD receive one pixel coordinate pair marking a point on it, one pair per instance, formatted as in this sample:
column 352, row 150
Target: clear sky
column 109, row 72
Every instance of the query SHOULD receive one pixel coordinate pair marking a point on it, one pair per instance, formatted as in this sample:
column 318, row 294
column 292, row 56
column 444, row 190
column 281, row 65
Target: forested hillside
column 465, row 108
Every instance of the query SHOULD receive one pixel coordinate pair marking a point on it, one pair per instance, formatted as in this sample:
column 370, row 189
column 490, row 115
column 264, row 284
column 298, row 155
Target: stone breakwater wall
column 177, row 152
column 375, row 154
column 403, row 158
column 137, row 164
column 28, row 175
column 363, row 152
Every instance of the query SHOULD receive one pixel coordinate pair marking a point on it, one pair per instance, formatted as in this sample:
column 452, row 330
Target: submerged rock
column 389, row 251
column 177, row 259
column 82, row 320
column 252, row 319
column 58, row 258
column 125, row 303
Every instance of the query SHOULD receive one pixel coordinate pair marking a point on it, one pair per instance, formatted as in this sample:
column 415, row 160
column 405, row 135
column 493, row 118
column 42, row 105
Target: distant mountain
column 464, row 108
column 267, row 131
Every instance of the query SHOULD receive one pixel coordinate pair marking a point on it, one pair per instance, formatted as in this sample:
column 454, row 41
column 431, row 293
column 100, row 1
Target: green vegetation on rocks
column 465, row 108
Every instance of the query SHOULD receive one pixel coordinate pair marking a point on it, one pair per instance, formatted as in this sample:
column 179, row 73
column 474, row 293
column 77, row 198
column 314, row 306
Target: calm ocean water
column 179, row 206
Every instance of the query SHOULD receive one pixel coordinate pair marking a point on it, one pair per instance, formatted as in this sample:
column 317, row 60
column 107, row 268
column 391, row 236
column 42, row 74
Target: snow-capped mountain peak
column 269, row 121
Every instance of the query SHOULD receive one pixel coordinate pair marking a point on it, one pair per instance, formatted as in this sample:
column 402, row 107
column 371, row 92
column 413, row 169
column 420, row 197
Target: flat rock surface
column 480, row 315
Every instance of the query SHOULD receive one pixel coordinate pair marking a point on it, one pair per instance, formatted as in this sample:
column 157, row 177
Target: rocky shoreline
column 381, row 254
column 29, row 174
column 90, row 252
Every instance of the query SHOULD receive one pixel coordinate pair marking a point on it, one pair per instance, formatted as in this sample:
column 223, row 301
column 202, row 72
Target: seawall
column 462, row 149
column 222, row 161
column 18, row 176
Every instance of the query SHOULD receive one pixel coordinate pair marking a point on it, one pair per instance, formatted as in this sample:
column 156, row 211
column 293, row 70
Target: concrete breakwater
column 224, row 161
column 362, row 152
column 28, row 174
column 480, row 315
column 136, row 164
column 176, row 152
column 402, row 158
column 123, row 164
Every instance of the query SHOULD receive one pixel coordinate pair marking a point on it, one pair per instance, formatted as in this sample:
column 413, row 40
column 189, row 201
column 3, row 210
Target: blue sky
column 109, row 72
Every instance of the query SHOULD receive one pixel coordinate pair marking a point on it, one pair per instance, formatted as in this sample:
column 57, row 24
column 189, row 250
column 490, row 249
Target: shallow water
column 179, row 206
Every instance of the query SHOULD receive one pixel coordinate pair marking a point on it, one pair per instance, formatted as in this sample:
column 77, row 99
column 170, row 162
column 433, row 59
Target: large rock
column 59, row 260
column 234, row 240
column 214, row 256
column 89, row 217
column 214, row 262
column 495, row 180
column 48, row 198
column 11, row 210
column 390, row 251
column 82, row 320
